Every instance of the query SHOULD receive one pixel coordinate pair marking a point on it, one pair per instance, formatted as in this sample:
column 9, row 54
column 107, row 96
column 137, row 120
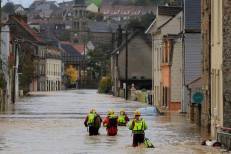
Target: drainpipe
column 209, row 72
column 153, row 75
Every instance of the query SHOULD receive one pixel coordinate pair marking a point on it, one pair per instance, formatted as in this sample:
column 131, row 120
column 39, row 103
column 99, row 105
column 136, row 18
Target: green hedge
column 105, row 85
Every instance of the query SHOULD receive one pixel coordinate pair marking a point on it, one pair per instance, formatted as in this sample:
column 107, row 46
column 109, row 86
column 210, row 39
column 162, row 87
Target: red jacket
column 111, row 125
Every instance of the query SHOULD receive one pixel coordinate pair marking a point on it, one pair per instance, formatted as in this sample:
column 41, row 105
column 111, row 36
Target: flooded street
column 52, row 123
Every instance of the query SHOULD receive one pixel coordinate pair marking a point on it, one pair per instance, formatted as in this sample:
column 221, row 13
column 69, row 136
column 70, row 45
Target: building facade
column 192, row 44
column 167, row 22
column 79, row 22
column 139, row 64
column 53, row 71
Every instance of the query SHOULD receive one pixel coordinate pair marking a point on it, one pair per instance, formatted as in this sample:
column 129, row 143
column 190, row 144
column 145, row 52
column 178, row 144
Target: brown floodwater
column 52, row 123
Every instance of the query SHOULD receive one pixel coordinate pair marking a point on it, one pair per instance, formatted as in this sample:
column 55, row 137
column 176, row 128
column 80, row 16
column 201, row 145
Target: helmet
column 110, row 111
column 92, row 111
column 137, row 113
column 122, row 111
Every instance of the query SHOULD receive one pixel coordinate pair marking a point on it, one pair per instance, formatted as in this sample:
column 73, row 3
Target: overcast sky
column 26, row 3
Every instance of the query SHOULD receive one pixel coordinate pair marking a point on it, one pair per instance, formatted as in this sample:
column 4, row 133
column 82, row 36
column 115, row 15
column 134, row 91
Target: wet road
column 52, row 123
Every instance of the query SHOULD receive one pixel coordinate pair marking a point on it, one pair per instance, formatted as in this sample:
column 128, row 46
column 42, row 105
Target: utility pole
column 84, row 61
column 1, row 45
column 15, row 71
column 126, row 66
column 15, row 75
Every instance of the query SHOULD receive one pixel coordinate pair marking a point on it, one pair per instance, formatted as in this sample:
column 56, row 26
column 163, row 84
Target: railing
column 224, row 137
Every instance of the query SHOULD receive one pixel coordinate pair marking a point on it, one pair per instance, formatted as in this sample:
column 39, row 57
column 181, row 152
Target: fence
column 225, row 139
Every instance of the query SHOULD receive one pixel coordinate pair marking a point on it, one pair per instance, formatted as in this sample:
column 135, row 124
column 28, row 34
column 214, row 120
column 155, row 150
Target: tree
column 72, row 74
column 99, row 63
column 105, row 85
column 26, row 66
column 96, row 2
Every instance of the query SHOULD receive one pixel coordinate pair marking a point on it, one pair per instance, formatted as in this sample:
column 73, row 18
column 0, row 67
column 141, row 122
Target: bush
column 105, row 85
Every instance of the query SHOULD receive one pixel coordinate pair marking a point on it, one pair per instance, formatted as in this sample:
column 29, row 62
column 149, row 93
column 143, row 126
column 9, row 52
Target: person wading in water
column 123, row 118
column 93, row 122
column 138, row 126
column 110, row 122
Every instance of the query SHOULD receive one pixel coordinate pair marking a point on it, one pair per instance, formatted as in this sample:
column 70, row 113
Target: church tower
column 79, row 21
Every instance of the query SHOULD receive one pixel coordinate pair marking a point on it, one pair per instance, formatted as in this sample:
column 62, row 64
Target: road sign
column 198, row 97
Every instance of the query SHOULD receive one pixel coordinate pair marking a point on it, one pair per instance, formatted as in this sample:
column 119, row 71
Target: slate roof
column 102, row 27
column 27, row 28
column 79, row 2
column 193, row 15
column 126, row 10
column 168, row 10
column 16, row 6
column 70, row 49
column 130, row 37
column 79, row 48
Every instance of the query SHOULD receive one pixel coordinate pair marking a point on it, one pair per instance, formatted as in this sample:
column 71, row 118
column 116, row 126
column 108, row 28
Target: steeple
column 79, row 21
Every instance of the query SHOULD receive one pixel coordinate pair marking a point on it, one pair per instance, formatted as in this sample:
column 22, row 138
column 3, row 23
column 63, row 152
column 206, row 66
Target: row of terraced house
column 191, row 63
column 189, row 60
column 31, row 64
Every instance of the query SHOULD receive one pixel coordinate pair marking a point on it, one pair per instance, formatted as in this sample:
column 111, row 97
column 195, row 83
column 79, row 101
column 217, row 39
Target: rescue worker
column 110, row 122
column 123, row 118
column 138, row 126
column 93, row 122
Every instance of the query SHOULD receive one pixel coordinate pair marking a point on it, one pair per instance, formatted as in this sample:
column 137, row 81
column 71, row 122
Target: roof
column 149, row 28
column 16, row 6
column 27, row 28
column 102, row 27
column 192, row 15
column 168, row 10
column 171, row 17
column 70, row 49
column 80, row 48
column 66, row 3
column 79, row 2
column 197, row 83
column 37, row 3
column 93, row 8
column 130, row 37
column 126, row 10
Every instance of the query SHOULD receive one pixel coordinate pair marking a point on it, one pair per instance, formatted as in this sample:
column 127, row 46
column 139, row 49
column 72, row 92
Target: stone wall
column 227, row 62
